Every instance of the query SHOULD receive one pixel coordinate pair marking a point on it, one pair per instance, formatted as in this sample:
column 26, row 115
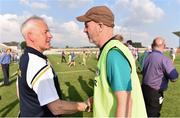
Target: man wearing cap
column 117, row 91
column 157, row 71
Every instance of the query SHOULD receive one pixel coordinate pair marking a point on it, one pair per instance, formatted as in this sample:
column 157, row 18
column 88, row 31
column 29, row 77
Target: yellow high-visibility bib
column 104, row 99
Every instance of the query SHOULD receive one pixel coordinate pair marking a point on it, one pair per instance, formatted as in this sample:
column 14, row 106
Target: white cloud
column 70, row 34
column 139, row 11
column 10, row 28
column 39, row 5
column 36, row 5
column 25, row 1
column 67, row 33
column 178, row 1
column 133, row 34
column 74, row 3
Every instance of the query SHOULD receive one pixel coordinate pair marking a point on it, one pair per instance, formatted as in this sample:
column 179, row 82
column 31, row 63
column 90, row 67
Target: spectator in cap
column 116, row 82
column 157, row 71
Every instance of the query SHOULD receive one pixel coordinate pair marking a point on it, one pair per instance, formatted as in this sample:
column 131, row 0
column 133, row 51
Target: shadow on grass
column 10, row 82
column 87, row 89
column 92, row 70
column 1, row 79
column 73, row 96
column 5, row 110
column 12, row 78
column 91, row 83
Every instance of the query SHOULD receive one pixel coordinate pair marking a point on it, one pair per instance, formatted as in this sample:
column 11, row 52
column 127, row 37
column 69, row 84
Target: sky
column 136, row 20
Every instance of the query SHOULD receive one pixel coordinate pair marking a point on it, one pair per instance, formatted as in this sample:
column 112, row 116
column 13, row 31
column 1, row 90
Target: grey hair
column 25, row 25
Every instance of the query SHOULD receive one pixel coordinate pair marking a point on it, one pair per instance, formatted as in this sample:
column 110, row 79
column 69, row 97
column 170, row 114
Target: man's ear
column 29, row 36
column 101, row 26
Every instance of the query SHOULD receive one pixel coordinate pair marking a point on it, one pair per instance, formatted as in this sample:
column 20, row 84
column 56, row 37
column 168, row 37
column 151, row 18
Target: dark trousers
column 63, row 59
column 5, row 69
column 153, row 100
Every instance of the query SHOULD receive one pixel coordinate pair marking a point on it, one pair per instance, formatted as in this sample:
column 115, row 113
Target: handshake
column 88, row 104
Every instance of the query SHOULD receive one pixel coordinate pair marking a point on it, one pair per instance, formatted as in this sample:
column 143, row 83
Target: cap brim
column 82, row 19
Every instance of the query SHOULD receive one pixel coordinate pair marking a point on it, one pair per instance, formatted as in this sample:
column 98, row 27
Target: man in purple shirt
column 157, row 71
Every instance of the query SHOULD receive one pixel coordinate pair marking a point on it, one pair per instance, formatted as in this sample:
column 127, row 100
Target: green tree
column 23, row 45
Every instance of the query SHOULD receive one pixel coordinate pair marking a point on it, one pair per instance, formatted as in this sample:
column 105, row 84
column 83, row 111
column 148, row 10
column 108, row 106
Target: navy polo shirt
column 158, row 70
column 38, row 84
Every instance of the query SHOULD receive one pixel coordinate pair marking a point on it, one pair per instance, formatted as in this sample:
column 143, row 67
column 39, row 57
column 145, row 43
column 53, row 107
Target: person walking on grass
column 84, row 56
column 117, row 91
column 38, row 87
column 157, row 71
column 73, row 57
column 5, row 60
column 63, row 57
column 172, row 54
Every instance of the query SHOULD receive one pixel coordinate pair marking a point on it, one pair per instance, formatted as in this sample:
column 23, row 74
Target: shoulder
column 166, row 61
column 115, row 53
column 35, row 63
column 116, row 56
column 36, row 59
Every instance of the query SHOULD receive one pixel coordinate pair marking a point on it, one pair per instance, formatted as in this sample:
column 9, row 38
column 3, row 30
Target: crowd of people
column 117, row 89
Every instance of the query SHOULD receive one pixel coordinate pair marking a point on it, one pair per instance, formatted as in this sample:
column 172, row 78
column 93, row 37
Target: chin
column 48, row 48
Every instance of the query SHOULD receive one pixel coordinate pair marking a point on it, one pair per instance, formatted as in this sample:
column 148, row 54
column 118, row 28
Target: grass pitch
column 77, row 85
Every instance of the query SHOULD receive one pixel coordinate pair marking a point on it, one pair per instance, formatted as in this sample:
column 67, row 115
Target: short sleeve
column 168, row 65
column 118, row 71
column 45, row 88
column 169, row 69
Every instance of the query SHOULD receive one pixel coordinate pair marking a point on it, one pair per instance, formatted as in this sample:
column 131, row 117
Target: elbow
column 53, row 107
column 174, row 75
column 174, row 80
column 55, row 112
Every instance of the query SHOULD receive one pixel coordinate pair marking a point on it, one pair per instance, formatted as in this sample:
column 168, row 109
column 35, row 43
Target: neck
column 105, row 36
column 32, row 46
column 158, row 49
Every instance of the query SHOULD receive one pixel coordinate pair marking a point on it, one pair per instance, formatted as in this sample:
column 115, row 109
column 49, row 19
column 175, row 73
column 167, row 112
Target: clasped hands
column 89, row 104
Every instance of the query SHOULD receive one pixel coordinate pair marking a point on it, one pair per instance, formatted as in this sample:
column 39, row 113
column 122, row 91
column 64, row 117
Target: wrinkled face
column 92, row 30
column 41, row 36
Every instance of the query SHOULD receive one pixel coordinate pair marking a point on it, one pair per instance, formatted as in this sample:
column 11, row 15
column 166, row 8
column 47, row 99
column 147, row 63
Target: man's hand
column 89, row 103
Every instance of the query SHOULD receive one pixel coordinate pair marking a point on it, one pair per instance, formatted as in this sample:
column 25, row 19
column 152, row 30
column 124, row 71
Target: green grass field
column 77, row 85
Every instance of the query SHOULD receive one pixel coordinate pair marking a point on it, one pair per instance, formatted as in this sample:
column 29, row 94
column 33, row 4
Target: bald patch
column 158, row 42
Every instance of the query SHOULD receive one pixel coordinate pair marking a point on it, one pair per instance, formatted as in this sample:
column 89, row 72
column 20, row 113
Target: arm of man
column 124, row 104
column 66, row 107
column 120, row 82
column 46, row 91
column 170, row 70
column 173, row 74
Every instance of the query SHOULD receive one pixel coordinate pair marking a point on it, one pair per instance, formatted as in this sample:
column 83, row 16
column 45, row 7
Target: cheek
column 95, row 31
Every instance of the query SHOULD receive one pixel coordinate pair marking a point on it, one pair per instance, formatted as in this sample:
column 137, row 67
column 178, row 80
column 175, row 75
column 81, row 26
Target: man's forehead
column 85, row 23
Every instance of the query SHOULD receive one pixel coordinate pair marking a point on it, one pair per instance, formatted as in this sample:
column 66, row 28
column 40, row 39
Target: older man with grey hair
column 38, row 86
